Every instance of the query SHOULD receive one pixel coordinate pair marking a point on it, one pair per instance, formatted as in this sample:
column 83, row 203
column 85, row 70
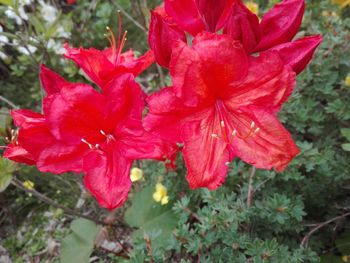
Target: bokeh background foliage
column 195, row 226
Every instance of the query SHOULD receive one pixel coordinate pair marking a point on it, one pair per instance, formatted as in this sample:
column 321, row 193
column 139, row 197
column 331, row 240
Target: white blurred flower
column 25, row 50
column 57, row 47
column 21, row 15
column 3, row 39
column 12, row 15
column 48, row 12
column 60, row 32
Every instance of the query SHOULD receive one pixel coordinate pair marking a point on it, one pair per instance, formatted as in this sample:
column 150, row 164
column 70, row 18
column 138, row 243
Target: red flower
column 70, row 2
column 83, row 130
column 275, row 31
column 222, row 105
column 108, row 127
column 102, row 66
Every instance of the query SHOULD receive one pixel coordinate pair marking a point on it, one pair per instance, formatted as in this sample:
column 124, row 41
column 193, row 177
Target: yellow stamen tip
column 136, row 174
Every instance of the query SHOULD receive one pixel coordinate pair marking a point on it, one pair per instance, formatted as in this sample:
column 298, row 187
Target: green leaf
column 6, row 2
column 346, row 133
column 331, row 259
column 153, row 219
column 346, row 147
column 78, row 246
column 6, row 169
column 39, row 27
column 343, row 244
column 5, row 120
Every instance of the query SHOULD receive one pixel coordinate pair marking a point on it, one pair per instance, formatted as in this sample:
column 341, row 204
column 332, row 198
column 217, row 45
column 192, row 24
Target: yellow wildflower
column 347, row 81
column 28, row 184
column 341, row 3
column 253, row 7
column 161, row 194
column 345, row 258
column 136, row 174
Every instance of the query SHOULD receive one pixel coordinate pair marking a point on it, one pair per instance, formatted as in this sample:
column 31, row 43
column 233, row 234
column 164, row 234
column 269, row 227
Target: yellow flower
column 136, row 174
column 253, row 7
column 347, row 81
column 345, row 258
column 161, row 194
column 28, row 184
column 341, row 3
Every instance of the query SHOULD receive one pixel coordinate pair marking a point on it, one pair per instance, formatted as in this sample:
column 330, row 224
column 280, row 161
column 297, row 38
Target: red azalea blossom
column 102, row 66
column 275, row 30
column 83, row 130
column 70, row 2
column 222, row 105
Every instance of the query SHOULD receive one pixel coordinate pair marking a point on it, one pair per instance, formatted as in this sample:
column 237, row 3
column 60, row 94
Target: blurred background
column 299, row 215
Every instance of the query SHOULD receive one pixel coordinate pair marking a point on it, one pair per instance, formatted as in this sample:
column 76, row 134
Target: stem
column 129, row 16
column 8, row 102
column 306, row 238
column 19, row 184
column 250, row 194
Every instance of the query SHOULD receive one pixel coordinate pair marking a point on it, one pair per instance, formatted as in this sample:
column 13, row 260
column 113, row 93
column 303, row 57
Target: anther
column 252, row 125
column 103, row 133
column 257, row 130
column 215, row 136
column 89, row 144
column 234, row 133
column 222, row 123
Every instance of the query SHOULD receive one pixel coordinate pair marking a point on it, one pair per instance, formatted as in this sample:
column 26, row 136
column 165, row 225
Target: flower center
column 103, row 145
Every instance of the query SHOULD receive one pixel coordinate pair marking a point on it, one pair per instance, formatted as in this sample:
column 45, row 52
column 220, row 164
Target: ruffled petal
column 59, row 158
column 51, row 81
column 76, row 113
column 270, row 147
column 268, row 84
column 18, row 154
column 167, row 115
column 205, row 155
column 163, row 33
column 202, row 72
column 212, row 10
column 134, row 65
column 93, row 62
column 298, row 54
column 281, row 23
column 108, row 178
column 185, row 14
column 243, row 25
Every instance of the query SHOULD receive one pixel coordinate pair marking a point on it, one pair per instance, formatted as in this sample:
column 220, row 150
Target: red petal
column 51, row 81
column 297, row 54
column 205, row 156
column 135, row 65
column 26, row 118
column 59, row 158
column 108, row 178
column 18, row 154
column 76, row 113
column 93, row 62
column 167, row 115
column 212, row 10
column 243, row 25
column 204, row 71
column 268, row 84
column 281, row 23
column 185, row 14
column 162, row 35
column 272, row 146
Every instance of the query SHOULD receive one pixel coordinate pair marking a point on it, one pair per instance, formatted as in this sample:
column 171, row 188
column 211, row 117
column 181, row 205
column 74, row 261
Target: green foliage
column 78, row 245
column 153, row 220
column 6, row 170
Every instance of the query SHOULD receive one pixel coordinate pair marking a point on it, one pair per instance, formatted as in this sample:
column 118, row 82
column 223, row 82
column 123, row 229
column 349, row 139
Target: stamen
column 252, row 125
column 234, row 133
column 222, row 123
column 103, row 133
column 215, row 136
column 89, row 144
column 257, row 130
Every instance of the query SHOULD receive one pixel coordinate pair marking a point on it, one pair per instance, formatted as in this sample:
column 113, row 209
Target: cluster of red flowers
column 222, row 104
